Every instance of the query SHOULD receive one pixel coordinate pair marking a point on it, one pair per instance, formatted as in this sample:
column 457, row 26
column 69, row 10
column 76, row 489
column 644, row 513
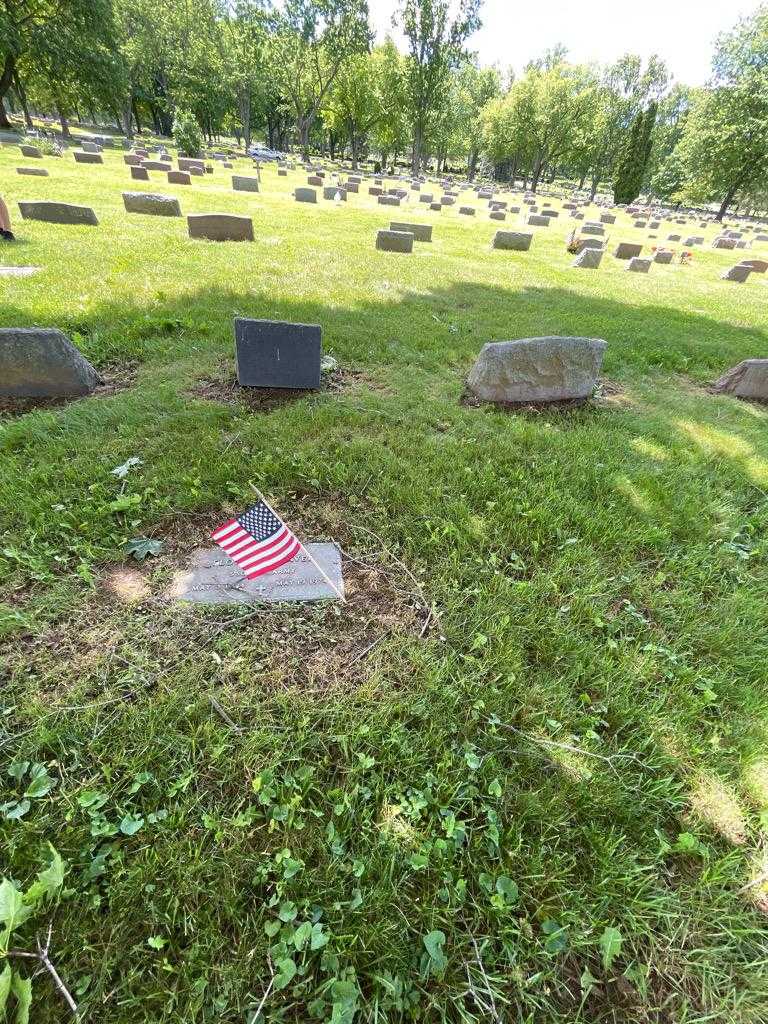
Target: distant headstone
column 305, row 195
column 179, row 178
column 627, row 250
column 388, row 200
column 87, row 158
column 140, row 173
column 674, row 238
column 314, row 179
column 274, row 354
column 420, row 232
column 38, row 172
column 220, row 227
column 662, row 256
column 498, row 215
column 748, row 379
column 588, row 259
column 739, row 273
column 31, row 151
column 56, row 213
column 38, row 362
column 721, row 242
column 91, row 147
column 151, row 203
column 517, row 241
column 334, row 192
column 537, row 220
column 213, row 578
column 245, row 183
column 639, row 265
column 467, row 211
column 593, row 229
column 607, row 218
column 157, row 165
column 394, row 241
column 550, row 369
column 756, row 266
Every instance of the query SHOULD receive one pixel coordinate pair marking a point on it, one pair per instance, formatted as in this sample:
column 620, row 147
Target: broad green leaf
column 610, row 944
column 22, row 989
column 557, row 936
column 40, row 782
column 288, row 911
column 302, row 935
column 271, row 928
column 433, row 943
column 13, row 911
column 140, row 547
column 14, row 811
column 131, row 824
column 507, row 888
column 587, row 981
column 319, row 937
column 18, row 770
column 5, row 988
column 286, row 971
column 48, row 880
column 156, row 942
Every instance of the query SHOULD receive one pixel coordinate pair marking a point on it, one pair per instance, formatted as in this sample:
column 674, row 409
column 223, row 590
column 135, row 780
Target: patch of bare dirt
column 228, row 391
column 116, row 377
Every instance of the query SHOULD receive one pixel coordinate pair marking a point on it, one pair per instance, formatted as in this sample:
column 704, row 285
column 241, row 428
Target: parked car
column 261, row 153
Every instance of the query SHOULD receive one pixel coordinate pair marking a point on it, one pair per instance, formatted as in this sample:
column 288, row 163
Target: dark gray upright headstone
column 274, row 354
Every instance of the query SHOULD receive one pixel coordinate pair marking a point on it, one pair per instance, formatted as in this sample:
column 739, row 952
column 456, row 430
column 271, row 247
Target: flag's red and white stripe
column 252, row 556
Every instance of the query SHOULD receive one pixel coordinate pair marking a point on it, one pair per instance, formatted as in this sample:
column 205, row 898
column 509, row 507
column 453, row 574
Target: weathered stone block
column 38, row 362
column 151, row 203
column 517, row 241
column 56, row 213
column 662, row 256
column 305, row 195
column 593, row 229
column 38, row 172
column 157, row 165
column 88, row 158
column 333, row 191
column 245, row 183
column 756, row 266
column 721, row 242
column 547, row 369
column 220, row 227
column 748, row 379
column 31, row 151
column 420, row 232
column 588, row 259
column 388, row 200
column 738, row 273
column 639, row 265
column 179, row 178
column 394, row 241
column 627, row 250
column 132, row 160
column 537, row 220
column 467, row 211
column 607, row 218
column 140, row 174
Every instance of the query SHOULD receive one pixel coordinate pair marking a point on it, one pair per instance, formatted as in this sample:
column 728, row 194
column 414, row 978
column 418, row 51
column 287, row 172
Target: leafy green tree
column 186, row 133
column 435, row 46
column 354, row 105
column 308, row 47
column 390, row 133
column 724, row 146
column 634, row 160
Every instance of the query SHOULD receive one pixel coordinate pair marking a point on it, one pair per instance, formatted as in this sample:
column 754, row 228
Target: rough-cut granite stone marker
column 38, row 362
column 305, row 195
column 517, row 241
column 31, row 151
column 537, row 220
column 38, row 172
column 245, row 183
column 748, row 379
column 157, row 165
column 215, row 579
column 140, row 174
column 420, row 232
column 663, row 256
column 395, row 241
column 548, row 369
column 388, row 200
column 151, row 203
column 56, row 213
column 179, row 178
column 220, row 227
column 275, row 354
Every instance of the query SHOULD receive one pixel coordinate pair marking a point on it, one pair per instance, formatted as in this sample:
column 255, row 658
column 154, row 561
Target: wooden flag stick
column 314, row 561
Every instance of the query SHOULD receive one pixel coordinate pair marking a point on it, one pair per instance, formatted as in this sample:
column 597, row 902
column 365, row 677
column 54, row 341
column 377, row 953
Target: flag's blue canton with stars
column 257, row 541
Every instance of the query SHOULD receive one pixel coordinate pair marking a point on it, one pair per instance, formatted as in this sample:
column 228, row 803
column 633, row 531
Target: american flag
column 257, row 541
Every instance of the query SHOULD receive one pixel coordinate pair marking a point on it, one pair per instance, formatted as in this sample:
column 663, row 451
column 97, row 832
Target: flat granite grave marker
column 305, row 195
column 394, row 241
column 88, row 158
column 215, row 579
column 38, row 172
column 179, row 178
column 420, row 232
column 517, row 241
column 139, row 174
column 276, row 354
column 245, row 183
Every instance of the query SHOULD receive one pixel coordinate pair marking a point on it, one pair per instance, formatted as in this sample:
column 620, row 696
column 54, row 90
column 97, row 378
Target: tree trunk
column 303, row 125
column 135, row 108
column 583, row 179
column 128, row 114
column 246, row 119
column 725, row 203
column 22, row 99
column 6, row 79
column 417, row 144
column 65, row 132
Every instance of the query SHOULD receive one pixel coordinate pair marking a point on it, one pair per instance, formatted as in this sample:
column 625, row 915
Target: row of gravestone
column 43, row 362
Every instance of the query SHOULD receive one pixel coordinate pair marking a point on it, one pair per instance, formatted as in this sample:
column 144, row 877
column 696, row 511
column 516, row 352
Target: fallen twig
column 368, row 649
column 45, row 961
column 224, row 716
column 570, row 748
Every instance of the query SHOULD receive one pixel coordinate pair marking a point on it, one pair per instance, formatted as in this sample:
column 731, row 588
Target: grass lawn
column 544, row 801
